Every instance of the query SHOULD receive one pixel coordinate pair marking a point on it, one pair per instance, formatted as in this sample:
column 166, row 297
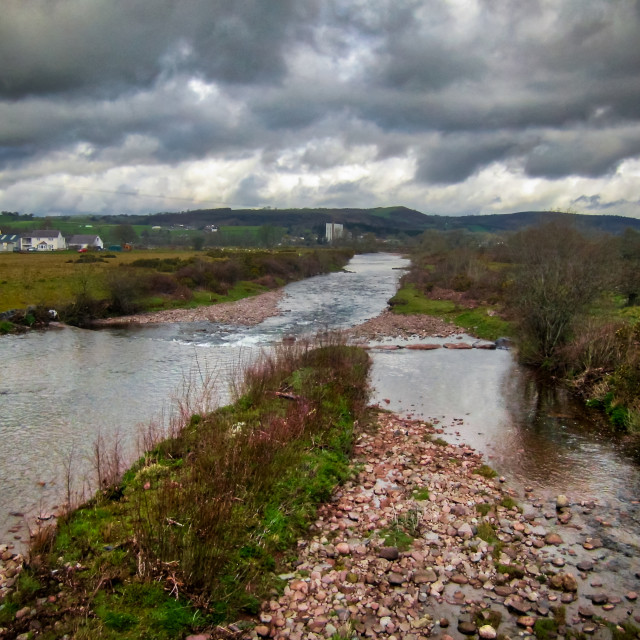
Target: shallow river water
column 61, row 389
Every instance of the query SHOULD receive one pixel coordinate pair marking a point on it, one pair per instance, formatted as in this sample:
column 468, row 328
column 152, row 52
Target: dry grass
column 54, row 278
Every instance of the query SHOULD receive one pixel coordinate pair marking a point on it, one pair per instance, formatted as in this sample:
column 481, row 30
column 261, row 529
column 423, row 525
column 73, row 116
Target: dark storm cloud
column 582, row 153
column 107, row 46
column 309, row 87
column 453, row 158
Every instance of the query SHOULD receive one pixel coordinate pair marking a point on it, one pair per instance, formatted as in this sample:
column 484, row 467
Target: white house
column 42, row 240
column 85, row 242
column 9, row 241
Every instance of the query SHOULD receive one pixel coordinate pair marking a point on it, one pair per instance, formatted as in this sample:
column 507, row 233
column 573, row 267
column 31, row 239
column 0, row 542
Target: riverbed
column 63, row 389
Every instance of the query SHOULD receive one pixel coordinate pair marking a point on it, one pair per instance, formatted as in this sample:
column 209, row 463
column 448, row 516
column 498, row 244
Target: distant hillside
column 380, row 220
column 496, row 223
column 385, row 220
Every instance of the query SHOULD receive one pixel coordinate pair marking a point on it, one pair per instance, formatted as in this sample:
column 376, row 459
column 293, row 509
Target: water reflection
column 61, row 389
column 531, row 431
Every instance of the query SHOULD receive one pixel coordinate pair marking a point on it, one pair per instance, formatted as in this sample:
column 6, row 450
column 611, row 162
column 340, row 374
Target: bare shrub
column 595, row 347
column 558, row 272
column 108, row 459
column 125, row 288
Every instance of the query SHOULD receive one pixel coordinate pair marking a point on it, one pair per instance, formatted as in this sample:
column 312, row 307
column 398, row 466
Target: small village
column 49, row 240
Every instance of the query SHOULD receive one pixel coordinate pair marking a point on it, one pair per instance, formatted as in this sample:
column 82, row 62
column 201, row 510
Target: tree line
column 571, row 296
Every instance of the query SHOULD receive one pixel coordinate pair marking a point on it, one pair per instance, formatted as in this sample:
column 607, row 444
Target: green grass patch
column 626, row 631
column 421, row 494
column 486, row 532
column 485, row 471
column 398, row 538
column 545, row 628
column 509, row 503
column 511, row 570
column 6, row 327
column 478, row 322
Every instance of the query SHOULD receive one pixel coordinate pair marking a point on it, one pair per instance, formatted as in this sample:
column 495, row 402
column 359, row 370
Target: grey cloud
column 453, row 159
column 249, row 191
column 596, row 203
column 108, row 46
column 548, row 88
column 583, row 153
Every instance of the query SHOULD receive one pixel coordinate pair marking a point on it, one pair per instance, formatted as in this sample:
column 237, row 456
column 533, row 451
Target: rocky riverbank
column 393, row 325
column 420, row 544
column 247, row 312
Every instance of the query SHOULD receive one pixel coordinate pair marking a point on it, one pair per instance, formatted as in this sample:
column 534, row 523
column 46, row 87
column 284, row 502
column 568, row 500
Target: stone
column 395, row 579
column 562, row 501
column 632, row 596
column 343, row 548
column 517, row 605
column 564, row 518
column 422, row 577
column 599, row 598
column 262, row 630
column 21, row 613
column 465, row 531
column 585, row 565
column 526, row 621
column 487, row 632
column 466, row 627
column 503, row 590
column 389, row 553
column 569, row 582
column 553, row 538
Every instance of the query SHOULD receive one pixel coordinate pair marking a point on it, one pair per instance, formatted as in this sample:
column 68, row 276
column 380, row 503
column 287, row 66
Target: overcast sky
column 446, row 106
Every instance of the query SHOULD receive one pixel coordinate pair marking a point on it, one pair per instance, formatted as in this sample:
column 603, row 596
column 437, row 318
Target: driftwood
column 288, row 396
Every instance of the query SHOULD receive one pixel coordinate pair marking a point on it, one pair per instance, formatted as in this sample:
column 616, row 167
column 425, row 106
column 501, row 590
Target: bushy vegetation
column 567, row 297
column 194, row 532
column 81, row 289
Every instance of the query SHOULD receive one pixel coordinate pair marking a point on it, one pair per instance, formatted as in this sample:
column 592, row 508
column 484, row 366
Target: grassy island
column 194, row 532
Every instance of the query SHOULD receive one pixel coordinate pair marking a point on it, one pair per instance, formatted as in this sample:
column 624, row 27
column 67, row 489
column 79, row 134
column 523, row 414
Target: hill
column 382, row 221
column 385, row 220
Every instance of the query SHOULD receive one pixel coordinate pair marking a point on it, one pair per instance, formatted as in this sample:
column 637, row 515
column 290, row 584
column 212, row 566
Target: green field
column 54, row 278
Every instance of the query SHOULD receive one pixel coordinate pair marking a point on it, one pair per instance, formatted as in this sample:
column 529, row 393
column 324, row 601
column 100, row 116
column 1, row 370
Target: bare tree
column 558, row 273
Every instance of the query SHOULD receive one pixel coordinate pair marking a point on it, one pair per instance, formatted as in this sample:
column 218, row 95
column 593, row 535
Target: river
column 62, row 389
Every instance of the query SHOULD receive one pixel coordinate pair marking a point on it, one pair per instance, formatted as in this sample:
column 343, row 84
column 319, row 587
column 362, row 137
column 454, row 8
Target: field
column 53, row 279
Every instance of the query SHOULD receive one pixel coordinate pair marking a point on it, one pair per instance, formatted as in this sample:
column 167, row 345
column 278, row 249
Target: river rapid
column 61, row 390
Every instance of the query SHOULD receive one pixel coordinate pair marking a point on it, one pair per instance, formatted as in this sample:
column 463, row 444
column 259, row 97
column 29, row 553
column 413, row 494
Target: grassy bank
column 481, row 321
column 193, row 534
column 86, row 286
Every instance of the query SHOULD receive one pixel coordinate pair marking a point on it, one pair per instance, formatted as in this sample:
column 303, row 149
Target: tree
column 198, row 242
column 558, row 273
column 269, row 236
column 125, row 233
column 629, row 275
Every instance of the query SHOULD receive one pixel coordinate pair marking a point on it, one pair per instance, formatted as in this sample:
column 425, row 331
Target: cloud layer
column 450, row 107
